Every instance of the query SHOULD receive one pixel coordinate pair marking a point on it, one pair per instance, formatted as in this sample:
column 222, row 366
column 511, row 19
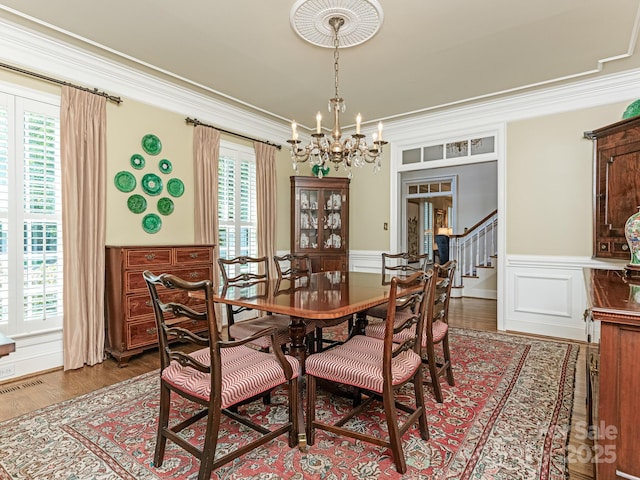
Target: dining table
column 322, row 296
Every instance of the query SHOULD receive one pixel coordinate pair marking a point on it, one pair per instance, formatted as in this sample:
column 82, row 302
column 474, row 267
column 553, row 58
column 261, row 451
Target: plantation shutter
column 237, row 202
column 30, row 216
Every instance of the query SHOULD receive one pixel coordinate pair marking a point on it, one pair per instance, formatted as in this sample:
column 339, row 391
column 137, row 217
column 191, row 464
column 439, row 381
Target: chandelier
column 323, row 151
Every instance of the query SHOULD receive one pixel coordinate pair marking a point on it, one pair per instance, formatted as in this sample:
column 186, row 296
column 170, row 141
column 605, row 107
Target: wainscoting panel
column 529, row 289
column 546, row 295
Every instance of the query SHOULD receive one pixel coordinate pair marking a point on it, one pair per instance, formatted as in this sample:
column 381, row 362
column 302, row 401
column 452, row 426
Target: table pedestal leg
column 298, row 349
column 361, row 323
column 297, row 332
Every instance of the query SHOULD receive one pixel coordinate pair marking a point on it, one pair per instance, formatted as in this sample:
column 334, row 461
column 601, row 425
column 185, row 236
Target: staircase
column 476, row 254
column 484, row 283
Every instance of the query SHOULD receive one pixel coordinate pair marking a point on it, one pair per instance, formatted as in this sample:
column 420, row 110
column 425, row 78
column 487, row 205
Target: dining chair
column 378, row 367
column 215, row 374
column 394, row 264
column 436, row 329
column 253, row 272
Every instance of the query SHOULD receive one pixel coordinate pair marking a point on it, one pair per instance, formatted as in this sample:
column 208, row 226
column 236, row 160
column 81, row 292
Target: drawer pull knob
column 152, row 331
column 193, row 255
column 193, row 275
column 148, row 303
column 151, row 256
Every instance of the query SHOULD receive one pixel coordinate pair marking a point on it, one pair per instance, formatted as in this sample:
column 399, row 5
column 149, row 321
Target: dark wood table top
column 7, row 345
column 327, row 295
column 612, row 296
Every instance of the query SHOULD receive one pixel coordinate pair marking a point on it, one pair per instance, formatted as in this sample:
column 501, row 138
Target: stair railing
column 474, row 247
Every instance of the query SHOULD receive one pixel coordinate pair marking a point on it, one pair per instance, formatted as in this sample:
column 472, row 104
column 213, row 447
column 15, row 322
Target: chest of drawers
column 129, row 319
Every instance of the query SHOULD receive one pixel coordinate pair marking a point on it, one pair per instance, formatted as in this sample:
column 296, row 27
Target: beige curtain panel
column 83, row 157
column 266, row 202
column 206, row 151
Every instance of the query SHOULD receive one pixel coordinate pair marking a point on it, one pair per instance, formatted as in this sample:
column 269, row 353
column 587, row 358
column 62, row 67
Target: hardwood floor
column 27, row 394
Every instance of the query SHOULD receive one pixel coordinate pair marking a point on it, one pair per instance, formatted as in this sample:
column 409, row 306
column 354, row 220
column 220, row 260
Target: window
column 30, row 216
column 237, row 218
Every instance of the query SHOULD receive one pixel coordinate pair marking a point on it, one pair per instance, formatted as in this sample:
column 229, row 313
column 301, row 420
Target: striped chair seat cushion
column 358, row 362
column 246, row 328
column 246, row 372
column 439, row 328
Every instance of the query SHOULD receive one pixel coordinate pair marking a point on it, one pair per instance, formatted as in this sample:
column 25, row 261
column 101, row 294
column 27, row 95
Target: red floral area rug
column 507, row 417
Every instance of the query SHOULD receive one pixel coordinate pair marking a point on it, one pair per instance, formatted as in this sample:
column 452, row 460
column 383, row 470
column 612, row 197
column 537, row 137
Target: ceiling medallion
column 361, row 20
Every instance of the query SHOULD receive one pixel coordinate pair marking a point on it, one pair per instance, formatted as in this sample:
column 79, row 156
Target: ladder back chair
column 394, row 264
column 436, row 329
column 379, row 367
column 218, row 375
column 252, row 272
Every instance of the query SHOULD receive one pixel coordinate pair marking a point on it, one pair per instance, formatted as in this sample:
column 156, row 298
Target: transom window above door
column 429, row 187
column 456, row 149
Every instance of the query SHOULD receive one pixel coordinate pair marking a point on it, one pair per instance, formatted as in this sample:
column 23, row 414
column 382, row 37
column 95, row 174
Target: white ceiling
column 427, row 54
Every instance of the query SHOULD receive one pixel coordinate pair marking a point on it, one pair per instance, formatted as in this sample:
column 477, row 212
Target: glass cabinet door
column 309, row 224
column 332, row 237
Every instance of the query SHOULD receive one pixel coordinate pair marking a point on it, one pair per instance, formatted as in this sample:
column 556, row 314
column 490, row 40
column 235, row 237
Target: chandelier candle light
column 321, row 150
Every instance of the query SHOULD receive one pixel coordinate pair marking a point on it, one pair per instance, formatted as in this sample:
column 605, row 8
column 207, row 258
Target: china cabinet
column 616, row 163
column 320, row 221
column 130, row 322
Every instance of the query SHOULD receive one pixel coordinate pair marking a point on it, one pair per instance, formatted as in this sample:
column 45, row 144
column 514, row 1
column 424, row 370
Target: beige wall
column 549, row 177
column 549, row 182
column 29, row 82
column 126, row 125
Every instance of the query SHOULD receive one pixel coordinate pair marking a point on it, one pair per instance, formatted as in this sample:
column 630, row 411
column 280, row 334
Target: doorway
column 429, row 213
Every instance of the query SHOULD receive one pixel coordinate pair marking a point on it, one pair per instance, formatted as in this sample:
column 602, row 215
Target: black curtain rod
column 195, row 122
column 95, row 91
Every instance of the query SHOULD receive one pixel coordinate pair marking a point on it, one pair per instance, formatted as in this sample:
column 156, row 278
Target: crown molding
column 35, row 51
column 548, row 101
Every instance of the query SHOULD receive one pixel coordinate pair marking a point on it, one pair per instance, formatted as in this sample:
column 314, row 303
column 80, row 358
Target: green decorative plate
column 165, row 206
column 151, row 184
column 137, row 203
column 151, row 223
column 137, row 161
column 151, row 144
column 175, row 187
column 632, row 110
column 316, row 170
column 125, row 181
column 165, row 166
